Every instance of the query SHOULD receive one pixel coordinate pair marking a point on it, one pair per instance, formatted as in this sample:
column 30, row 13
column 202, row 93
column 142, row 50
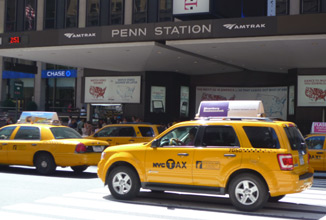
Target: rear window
column 28, row 133
column 146, row 131
column 296, row 139
column 64, row 133
column 262, row 137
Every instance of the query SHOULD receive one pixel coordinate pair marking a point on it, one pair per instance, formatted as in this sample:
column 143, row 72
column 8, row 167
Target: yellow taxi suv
column 230, row 149
column 317, row 151
column 47, row 146
column 117, row 134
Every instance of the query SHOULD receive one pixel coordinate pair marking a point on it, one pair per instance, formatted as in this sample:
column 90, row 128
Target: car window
column 64, row 133
column 180, row 136
column 146, row 131
column 262, row 137
column 5, row 133
column 315, row 143
column 220, row 136
column 28, row 133
column 296, row 139
column 116, row 132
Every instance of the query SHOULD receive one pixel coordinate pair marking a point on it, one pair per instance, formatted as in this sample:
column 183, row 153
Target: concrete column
column 2, row 16
column 82, row 14
column 40, row 15
column 128, row 12
column 294, row 7
column 3, row 85
column 79, row 88
column 39, row 87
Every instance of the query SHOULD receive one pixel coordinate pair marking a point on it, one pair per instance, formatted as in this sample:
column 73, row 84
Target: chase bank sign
column 59, row 73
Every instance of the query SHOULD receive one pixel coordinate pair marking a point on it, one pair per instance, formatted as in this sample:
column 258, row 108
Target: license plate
column 98, row 148
column 301, row 159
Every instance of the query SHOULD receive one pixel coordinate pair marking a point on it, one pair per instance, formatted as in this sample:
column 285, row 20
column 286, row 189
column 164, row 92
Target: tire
column 275, row 198
column 79, row 169
column 248, row 192
column 45, row 164
column 123, row 183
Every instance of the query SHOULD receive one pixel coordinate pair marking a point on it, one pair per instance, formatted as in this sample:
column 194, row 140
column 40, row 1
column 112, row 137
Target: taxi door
column 317, row 151
column 22, row 148
column 171, row 161
column 117, row 135
column 218, row 155
column 5, row 135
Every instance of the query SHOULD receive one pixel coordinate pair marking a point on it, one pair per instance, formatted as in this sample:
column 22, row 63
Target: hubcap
column 44, row 164
column 121, row 183
column 247, row 192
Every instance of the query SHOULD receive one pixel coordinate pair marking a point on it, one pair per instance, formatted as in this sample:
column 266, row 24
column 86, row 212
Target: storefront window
column 165, row 10
column 11, row 18
column 310, row 6
column 71, row 13
column 50, row 14
column 30, row 15
column 282, row 7
column 140, row 11
column 116, row 12
column 93, row 13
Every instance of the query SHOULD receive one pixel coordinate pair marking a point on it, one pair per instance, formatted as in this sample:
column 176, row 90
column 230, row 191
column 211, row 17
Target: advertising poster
column 184, row 101
column 122, row 89
column 312, row 91
column 191, row 7
column 274, row 98
column 158, row 99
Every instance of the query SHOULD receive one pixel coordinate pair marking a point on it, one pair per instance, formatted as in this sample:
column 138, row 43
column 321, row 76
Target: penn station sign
column 72, row 73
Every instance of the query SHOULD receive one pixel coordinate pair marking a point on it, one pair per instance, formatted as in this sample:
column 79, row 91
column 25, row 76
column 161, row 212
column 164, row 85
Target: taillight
column 285, row 161
column 80, row 148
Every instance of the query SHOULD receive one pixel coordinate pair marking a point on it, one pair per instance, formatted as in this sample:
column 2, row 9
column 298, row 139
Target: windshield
column 64, row 133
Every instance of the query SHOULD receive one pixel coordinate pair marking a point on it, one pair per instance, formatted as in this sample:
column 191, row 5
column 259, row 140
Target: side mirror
column 155, row 143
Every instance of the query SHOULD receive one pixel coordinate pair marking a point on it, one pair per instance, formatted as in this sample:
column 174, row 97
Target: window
column 28, row 133
column 116, row 132
column 64, row 133
column 315, row 143
column 146, row 131
column 93, row 13
column 262, row 137
column 310, row 6
column 180, row 136
column 5, row 133
column 71, row 13
column 220, row 136
column 282, row 7
column 165, row 10
column 30, row 15
column 140, row 11
column 11, row 17
column 116, row 12
column 50, row 14
column 296, row 140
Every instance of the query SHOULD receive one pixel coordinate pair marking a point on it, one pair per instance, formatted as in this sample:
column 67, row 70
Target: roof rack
column 237, row 118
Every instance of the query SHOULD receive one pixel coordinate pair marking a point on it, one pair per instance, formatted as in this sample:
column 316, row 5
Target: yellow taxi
column 47, row 146
column 317, row 151
column 251, row 158
column 127, row 133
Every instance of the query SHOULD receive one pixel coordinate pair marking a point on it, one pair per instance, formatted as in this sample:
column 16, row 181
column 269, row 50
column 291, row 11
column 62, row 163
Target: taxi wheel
column 45, row 164
column 123, row 183
column 248, row 192
column 79, row 169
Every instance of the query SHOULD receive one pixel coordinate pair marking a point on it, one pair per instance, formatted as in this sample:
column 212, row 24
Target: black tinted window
column 295, row 138
column 262, row 137
column 28, row 133
column 315, row 143
column 146, row 131
column 220, row 136
column 5, row 133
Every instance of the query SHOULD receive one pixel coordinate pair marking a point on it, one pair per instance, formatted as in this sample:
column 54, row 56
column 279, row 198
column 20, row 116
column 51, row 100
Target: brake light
column 285, row 161
column 80, row 148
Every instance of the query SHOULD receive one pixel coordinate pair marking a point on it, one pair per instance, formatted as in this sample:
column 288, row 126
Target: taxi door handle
column 5, row 144
column 230, row 155
column 109, row 140
column 320, row 152
column 34, row 144
column 183, row 154
column 132, row 140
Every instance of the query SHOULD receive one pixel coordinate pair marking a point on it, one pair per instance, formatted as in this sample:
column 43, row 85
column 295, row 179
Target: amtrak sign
column 72, row 73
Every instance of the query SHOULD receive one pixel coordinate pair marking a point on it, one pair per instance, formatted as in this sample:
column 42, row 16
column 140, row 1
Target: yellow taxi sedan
column 317, row 151
column 129, row 133
column 48, row 146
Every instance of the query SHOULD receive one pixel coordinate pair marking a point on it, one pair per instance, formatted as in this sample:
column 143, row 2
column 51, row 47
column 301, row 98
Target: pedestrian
column 88, row 128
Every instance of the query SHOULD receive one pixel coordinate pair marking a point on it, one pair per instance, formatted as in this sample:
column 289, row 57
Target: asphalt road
column 26, row 195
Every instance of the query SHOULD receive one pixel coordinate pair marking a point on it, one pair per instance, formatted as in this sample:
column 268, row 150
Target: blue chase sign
column 59, row 73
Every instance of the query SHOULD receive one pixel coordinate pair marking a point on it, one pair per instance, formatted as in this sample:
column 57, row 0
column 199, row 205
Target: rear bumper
column 76, row 159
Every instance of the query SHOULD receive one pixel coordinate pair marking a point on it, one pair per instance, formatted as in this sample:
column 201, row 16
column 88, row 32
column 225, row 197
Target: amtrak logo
column 82, row 35
column 244, row 26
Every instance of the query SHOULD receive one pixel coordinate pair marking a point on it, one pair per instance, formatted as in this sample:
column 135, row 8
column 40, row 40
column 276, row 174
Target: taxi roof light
column 37, row 117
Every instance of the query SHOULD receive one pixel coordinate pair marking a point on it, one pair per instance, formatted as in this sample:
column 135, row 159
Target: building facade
column 157, row 59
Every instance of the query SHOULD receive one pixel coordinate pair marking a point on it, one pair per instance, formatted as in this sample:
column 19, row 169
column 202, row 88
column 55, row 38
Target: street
column 66, row 195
